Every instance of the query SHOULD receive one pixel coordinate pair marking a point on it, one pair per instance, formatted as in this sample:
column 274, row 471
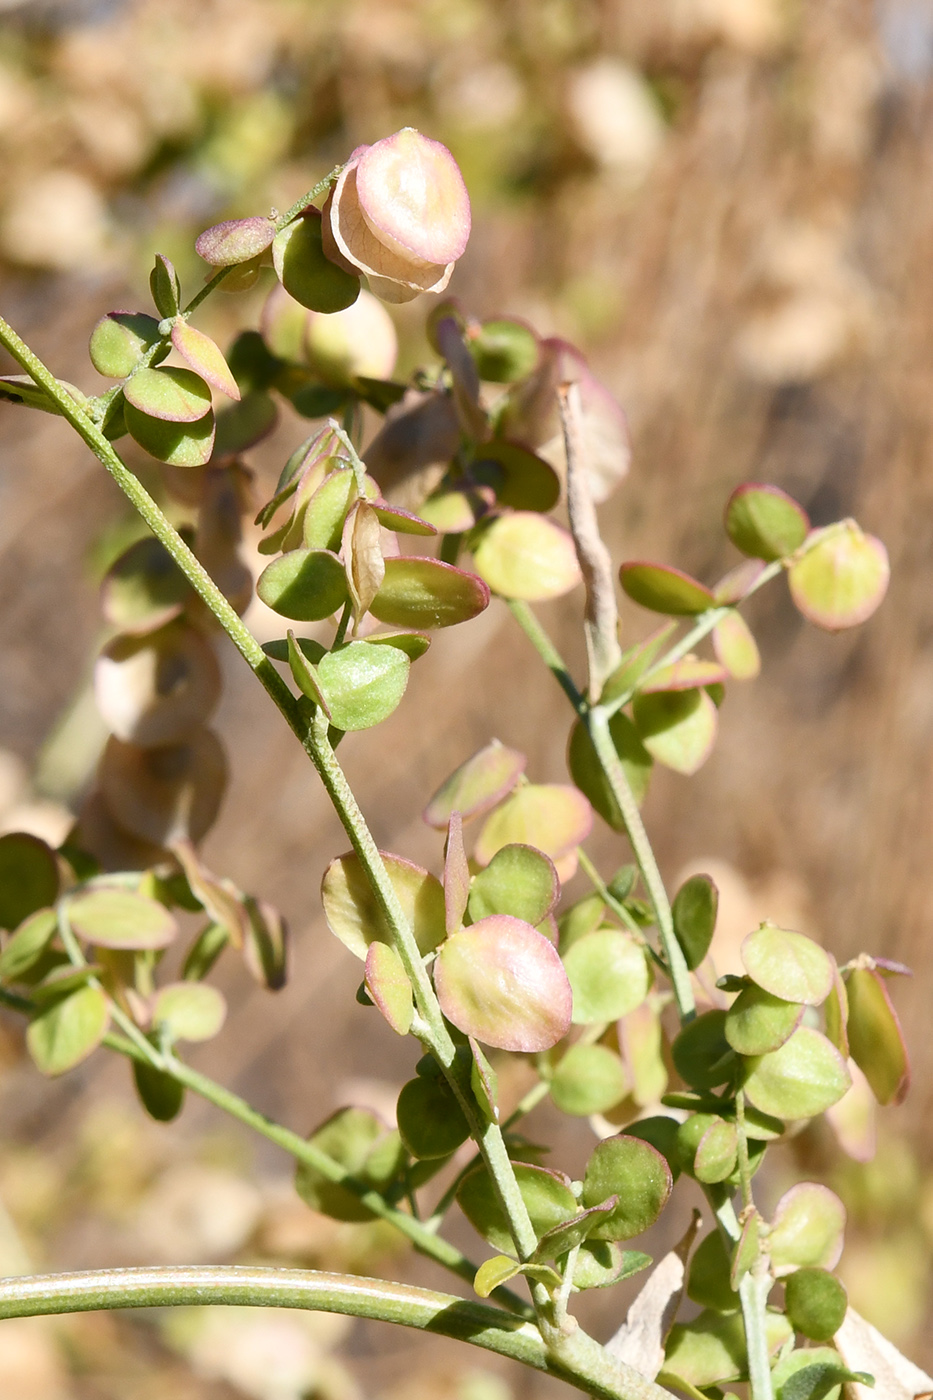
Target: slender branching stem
column 597, row 724
column 314, row 739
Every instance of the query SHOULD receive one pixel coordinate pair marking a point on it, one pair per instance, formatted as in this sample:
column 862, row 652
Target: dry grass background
column 729, row 205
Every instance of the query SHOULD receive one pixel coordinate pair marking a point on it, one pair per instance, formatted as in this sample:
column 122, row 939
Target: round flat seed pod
column 609, row 975
column 804, row 1077
column 29, row 877
column 788, row 965
column 168, row 793
column 305, row 273
column 503, row 983
column 808, row 1229
column 764, row 522
column 119, row 341
column 175, row 395
column 306, row 585
column 178, row 444
column 155, row 689
column 664, row 590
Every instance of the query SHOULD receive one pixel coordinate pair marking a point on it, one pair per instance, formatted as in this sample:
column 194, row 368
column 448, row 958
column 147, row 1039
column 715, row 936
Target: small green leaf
column 235, row 241
column 388, row 985
column 573, row 1232
column 493, row 1273
column 477, row 785
column 547, row 1196
column 601, row 1263
column 804, row 1077
column 694, row 909
column 171, row 394
column 304, row 670
column 359, row 1143
column 689, row 673
column 580, row 919
column 702, row 1056
column 305, row 273
column 664, row 590
column 304, row 584
column 178, row 444
column 363, row 684
column 815, row 1373
column 526, row 555
column 164, row 286
column 116, row 918
column 677, row 727
column 27, row 945
column 519, row 881
column 840, row 577
column 205, row 358
column 736, row 648
column 711, row 1348
column 661, row 1133
column 716, row 1153
column 552, row 817
column 144, row 588
column 788, row 965
column 587, row 771
column 120, row 340
column 242, row 425
column 708, row 1280
column 430, row 1119
column 159, row 1093
column 327, row 510
column 265, row 944
column 518, row 476
column 609, row 975
column 426, row 593
column 808, row 1229
column 355, row 917
column 28, row 877
column 503, row 983
column 69, row 1030
column 504, row 350
column 189, row 1010
column 589, row 1079
column 764, row 522
column 758, row 1022
column 816, row 1303
column 631, row 1169
column 876, row 1042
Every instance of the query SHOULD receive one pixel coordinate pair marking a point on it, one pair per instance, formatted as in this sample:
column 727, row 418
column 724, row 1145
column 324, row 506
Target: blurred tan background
column 728, row 204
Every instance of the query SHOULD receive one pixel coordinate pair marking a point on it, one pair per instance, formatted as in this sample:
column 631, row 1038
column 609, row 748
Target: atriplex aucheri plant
column 615, row 998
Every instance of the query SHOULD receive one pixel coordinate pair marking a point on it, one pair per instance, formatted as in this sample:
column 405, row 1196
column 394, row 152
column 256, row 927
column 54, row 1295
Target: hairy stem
column 753, row 1291
column 592, row 1371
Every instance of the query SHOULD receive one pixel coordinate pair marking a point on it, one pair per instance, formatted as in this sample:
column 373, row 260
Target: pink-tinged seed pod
column 400, row 213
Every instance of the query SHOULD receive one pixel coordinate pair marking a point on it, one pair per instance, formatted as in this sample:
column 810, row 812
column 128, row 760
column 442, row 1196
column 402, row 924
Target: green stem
column 302, row 204
column 753, row 1291
column 209, row 286
column 597, row 723
column 315, row 743
column 399, row 1303
column 547, row 651
column 424, row 1240
column 602, row 889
